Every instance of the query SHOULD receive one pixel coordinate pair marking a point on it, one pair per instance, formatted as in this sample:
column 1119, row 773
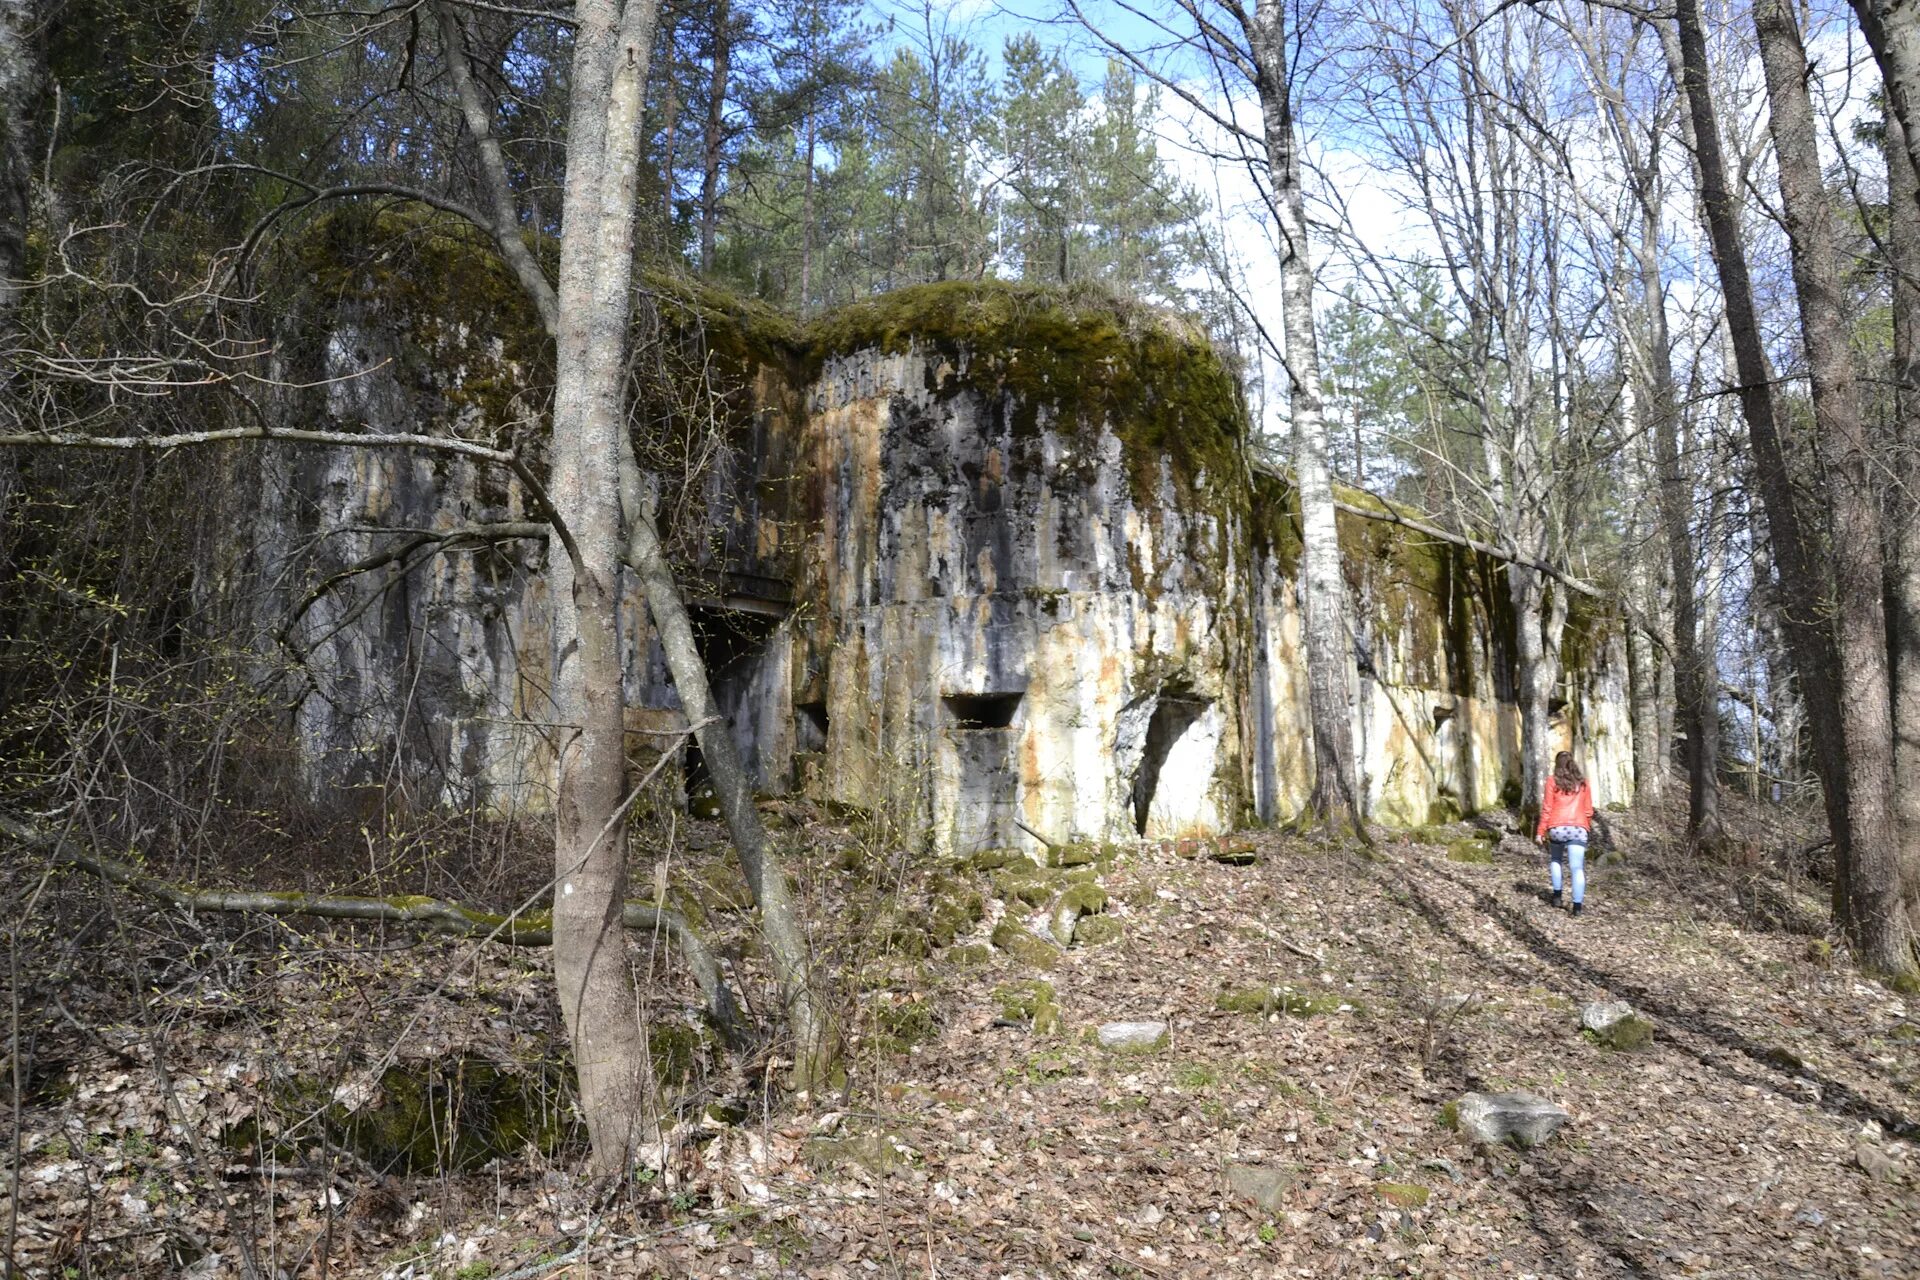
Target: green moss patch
column 1098, row 931
column 1407, row 1195
column 1025, row 946
column 1471, row 850
column 424, row 1118
column 1071, row 359
column 1261, row 1001
column 1031, row 1002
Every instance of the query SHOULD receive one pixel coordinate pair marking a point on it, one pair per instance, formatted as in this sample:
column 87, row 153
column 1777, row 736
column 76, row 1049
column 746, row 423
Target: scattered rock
column 1079, row 854
column 1783, row 1059
column 1406, row 1195
column 1082, row 899
column 1024, row 946
column 1470, row 850
column 1521, row 1118
column 971, row 955
column 1235, row 851
column 994, row 859
column 1265, row 1188
column 1028, row 884
column 1094, row 931
column 1877, row 1164
column 1134, row 1037
column 1805, row 1090
column 1614, row 1025
column 1808, row 1216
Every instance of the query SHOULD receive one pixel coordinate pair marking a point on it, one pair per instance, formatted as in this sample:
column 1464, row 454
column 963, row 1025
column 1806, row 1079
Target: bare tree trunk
column 22, row 84
column 1803, row 591
column 1903, row 595
column 806, row 224
column 1643, row 680
column 715, row 140
column 766, row 878
column 1335, row 800
column 1881, row 931
column 598, row 998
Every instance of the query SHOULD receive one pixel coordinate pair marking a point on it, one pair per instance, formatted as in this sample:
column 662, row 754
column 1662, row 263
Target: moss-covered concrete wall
column 993, row 553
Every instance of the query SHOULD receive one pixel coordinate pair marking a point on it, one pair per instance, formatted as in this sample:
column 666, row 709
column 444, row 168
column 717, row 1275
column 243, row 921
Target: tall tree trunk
column 22, row 85
column 766, row 878
column 1903, row 187
column 806, row 224
column 1881, row 931
column 1803, row 589
column 597, row 994
column 1335, row 800
column 715, row 140
column 1892, row 29
column 1696, row 682
column 1643, row 680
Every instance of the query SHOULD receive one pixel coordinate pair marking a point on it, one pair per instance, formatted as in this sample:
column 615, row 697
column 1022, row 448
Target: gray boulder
column 1521, row 1118
column 1134, row 1037
column 1615, row 1024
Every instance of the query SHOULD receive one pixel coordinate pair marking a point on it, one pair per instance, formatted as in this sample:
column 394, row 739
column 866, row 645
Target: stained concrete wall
column 987, row 554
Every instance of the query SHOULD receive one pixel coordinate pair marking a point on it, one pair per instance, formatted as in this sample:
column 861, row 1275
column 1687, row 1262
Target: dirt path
column 1706, row 1154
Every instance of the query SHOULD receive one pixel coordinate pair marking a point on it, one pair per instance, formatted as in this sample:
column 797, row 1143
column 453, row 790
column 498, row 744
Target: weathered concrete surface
column 989, row 556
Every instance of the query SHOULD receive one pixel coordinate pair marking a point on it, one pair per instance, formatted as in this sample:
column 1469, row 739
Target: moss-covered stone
column 1407, row 1195
column 994, row 859
column 1025, row 946
column 1081, row 898
column 1470, row 850
column 1098, row 931
column 1624, row 1035
column 1023, row 884
column 970, row 955
column 1031, row 1002
column 442, row 1116
column 1080, row 854
column 953, row 914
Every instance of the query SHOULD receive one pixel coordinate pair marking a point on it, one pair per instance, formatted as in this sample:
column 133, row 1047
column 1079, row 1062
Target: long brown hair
column 1566, row 774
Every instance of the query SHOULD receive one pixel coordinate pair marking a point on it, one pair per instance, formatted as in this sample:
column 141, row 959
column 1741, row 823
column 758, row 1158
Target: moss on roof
column 1071, row 359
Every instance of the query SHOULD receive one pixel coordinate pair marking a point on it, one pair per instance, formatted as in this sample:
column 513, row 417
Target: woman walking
column 1566, row 816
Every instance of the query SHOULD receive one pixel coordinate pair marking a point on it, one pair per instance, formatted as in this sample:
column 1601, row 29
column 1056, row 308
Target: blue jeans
column 1568, row 844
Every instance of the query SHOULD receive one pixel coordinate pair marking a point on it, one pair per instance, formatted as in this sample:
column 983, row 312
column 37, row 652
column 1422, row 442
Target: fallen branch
column 533, row 929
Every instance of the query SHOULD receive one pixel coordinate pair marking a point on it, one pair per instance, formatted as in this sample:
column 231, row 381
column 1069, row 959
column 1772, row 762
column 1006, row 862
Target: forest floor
column 1767, row 1130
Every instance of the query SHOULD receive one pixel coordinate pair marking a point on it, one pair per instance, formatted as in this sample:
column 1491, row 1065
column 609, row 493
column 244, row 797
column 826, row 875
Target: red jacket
column 1565, row 809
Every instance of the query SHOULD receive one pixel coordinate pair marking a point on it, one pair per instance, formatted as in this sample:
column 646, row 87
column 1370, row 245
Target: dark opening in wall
column 1172, row 717
column 732, row 643
column 982, row 710
column 810, row 726
column 1556, row 706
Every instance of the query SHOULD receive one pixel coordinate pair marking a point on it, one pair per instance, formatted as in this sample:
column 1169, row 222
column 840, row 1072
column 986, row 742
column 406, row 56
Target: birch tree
column 1247, row 50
